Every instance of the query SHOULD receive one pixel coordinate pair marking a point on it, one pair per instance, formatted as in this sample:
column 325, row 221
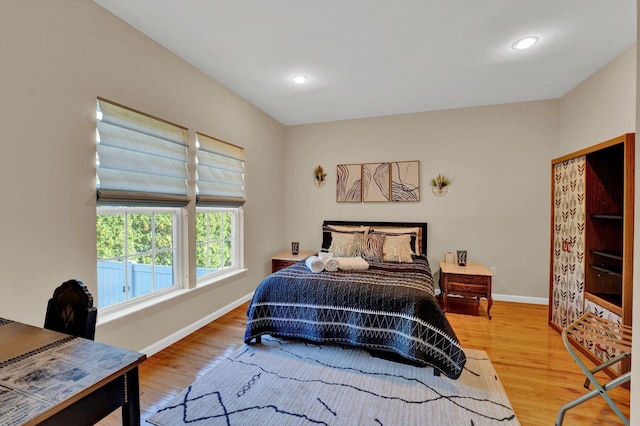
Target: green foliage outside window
column 110, row 236
column 213, row 240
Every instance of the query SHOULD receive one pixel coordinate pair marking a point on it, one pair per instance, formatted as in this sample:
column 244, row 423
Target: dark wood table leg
column 131, row 407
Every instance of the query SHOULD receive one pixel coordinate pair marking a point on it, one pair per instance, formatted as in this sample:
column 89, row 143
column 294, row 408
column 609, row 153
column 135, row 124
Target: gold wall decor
column 319, row 176
column 440, row 185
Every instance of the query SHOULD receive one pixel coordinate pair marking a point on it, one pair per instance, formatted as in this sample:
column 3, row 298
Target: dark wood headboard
column 422, row 234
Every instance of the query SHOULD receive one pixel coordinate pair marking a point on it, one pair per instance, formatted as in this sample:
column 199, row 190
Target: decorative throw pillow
column 343, row 243
column 329, row 230
column 413, row 232
column 397, row 248
column 369, row 246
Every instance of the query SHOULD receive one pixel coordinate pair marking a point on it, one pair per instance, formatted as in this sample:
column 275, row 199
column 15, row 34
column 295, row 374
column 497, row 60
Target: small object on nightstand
column 285, row 259
column 450, row 257
column 462, row 257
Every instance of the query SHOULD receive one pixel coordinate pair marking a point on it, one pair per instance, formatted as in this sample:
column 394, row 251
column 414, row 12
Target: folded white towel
column 315, row 264
column 325, row 255
column 352, row 263
column 331, row 264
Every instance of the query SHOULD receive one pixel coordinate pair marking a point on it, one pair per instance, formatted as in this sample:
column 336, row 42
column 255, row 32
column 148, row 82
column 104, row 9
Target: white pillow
column 397, row 248
column 399, row 231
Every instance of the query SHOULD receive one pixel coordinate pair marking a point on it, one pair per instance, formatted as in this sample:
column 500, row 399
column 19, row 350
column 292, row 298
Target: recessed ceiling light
column 300, row 79
column 525, row 43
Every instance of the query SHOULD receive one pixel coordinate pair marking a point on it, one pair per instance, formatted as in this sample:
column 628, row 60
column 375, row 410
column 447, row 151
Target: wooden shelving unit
column 592, row 235
column 609, row 225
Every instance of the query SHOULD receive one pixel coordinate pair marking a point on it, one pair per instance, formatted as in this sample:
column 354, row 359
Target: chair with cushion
column 71, row 310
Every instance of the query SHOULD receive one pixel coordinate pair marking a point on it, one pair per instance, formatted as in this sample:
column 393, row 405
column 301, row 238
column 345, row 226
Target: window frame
column 237, row 263
column 126, row 133
column 178, row 265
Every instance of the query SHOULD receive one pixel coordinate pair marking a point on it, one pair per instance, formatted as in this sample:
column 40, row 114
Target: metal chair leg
column 600, row 390
column 611, row 334
column 605, row 365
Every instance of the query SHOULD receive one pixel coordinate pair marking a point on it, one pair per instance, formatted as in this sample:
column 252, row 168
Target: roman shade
column 141, row 160
column 220, row 172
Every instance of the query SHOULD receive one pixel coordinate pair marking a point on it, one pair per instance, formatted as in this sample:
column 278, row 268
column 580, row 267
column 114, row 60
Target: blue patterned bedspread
column 390, row 307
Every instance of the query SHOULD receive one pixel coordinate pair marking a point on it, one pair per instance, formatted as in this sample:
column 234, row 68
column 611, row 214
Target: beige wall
column 497, row 207
column 604, row 106
column 57, row 57
column 601, row 107
column 499, row 158
column 52, row 69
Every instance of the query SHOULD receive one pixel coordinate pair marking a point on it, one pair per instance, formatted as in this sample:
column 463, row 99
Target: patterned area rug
column 283, row 382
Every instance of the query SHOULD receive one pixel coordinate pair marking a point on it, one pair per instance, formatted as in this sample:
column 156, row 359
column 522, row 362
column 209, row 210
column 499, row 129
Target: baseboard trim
column 521, row 299
column 173, row 338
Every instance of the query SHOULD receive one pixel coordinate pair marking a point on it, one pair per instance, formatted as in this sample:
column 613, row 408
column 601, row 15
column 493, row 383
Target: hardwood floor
column 534, row 367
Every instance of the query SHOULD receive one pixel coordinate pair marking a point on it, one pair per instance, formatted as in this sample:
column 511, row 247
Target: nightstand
column 285, row 259
column 472, row 280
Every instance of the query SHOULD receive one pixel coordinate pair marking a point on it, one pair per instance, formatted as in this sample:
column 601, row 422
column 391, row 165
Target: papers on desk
column 31, row 384
column 17, row 407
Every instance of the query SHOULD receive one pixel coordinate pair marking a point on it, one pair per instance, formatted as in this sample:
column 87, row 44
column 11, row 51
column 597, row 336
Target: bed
column 389, row 308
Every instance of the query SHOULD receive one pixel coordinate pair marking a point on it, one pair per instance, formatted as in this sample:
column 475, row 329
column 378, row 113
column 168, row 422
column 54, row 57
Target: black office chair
column 71, row 310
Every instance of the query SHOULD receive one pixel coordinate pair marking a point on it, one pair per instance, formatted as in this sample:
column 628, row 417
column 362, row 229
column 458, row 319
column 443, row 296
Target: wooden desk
column 50, row 378
column 472, row 280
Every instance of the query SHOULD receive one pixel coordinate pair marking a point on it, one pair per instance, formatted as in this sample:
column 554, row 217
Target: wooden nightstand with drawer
column 285, row 259
column 472, row 280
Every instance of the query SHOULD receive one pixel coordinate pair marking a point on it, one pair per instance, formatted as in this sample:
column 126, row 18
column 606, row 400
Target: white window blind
column 141, row 160
column 220, row 172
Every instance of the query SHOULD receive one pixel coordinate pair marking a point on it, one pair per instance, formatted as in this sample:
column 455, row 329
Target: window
column 220, row 172
column 143, row 188
column 216, row 240
column 219, row 197
column 141, row 183
column 136, row 253
column 140, row 160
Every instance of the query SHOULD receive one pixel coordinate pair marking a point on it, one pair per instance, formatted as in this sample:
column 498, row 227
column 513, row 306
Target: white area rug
column 282, row 382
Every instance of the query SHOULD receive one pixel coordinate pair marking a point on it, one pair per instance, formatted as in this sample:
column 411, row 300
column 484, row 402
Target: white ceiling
column 380, row 57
